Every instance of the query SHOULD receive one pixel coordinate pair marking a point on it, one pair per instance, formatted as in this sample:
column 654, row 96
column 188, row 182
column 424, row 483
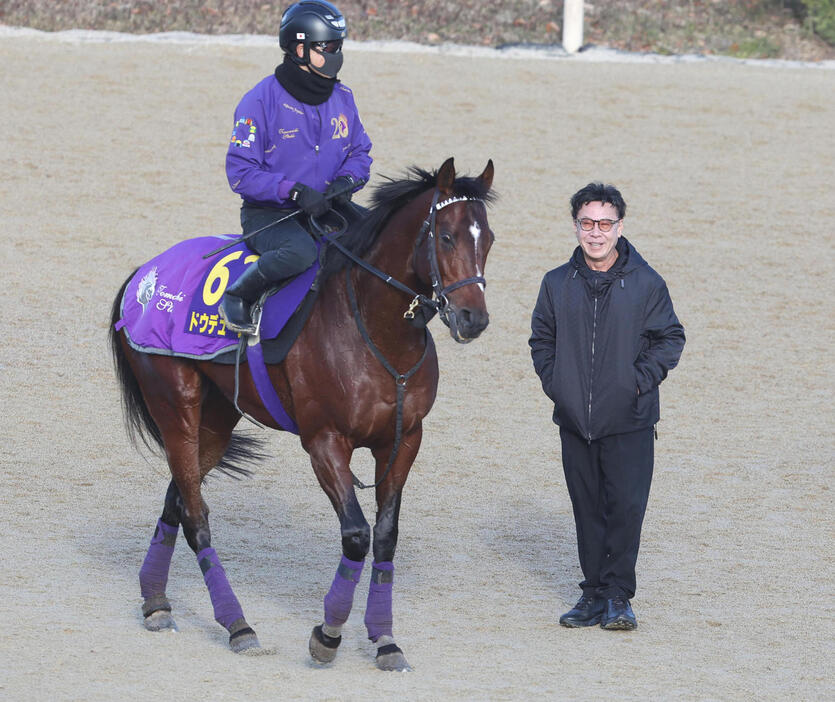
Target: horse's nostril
column 471, row 322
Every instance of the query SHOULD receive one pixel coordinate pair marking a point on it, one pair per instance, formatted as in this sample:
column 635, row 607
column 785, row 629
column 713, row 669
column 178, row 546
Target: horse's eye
column 446, row 237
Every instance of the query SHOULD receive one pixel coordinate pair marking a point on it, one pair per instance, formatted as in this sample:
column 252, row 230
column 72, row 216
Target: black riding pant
column 286, row 249
column 608, row 480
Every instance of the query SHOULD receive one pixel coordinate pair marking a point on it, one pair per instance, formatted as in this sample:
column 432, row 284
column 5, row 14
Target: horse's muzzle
column 466, row 323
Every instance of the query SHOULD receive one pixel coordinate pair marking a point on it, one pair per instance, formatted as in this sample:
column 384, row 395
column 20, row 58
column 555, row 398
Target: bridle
column 439, row 301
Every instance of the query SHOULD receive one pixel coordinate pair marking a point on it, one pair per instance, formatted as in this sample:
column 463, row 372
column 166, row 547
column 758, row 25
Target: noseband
column 439, row 302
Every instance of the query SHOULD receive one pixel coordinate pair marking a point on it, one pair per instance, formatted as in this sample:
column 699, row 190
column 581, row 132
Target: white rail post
column 572, row 25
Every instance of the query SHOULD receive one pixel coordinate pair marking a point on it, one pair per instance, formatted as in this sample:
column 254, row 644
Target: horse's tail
column 242, row 450
column 138, row 420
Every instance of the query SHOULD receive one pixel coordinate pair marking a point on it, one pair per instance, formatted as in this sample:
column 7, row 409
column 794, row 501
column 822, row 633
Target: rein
column 362, row 263
column 438, row 303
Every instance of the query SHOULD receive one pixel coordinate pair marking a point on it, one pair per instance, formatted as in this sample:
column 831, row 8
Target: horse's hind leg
column 227, row 610
column 177, row 409
column 153, row 576
column 218, row 419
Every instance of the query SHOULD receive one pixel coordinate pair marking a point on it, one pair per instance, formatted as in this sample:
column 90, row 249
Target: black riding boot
column 238, row 298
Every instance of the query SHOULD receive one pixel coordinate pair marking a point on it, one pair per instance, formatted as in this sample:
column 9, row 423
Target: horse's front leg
column 379, row 619
column 330, row 455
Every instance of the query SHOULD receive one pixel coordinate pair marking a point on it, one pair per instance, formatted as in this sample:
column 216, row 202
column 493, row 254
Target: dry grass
column 745, row 28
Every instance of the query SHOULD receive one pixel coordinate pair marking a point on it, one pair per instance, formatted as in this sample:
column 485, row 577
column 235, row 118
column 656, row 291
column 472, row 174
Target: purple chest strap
column 266, row 391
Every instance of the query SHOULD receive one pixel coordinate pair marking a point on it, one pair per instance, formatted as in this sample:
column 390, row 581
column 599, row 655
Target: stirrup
column 251, row 328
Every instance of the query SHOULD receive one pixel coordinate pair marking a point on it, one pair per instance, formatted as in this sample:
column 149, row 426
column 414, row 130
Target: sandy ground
column 113, row 152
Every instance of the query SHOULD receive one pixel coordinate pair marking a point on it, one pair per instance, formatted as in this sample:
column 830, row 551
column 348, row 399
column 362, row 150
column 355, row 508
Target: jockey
column 297, row 143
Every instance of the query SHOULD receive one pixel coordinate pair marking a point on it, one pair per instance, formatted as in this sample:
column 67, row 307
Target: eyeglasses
column 604, row 225
column 327, row 47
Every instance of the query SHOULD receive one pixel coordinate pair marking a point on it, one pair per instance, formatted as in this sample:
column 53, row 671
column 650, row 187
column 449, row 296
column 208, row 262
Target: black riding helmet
column 317, row 23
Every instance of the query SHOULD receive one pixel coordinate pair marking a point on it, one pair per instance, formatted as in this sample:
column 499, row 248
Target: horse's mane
column 386, row 199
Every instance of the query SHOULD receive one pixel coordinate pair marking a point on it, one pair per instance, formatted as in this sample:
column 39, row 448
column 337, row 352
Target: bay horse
column 348, row 383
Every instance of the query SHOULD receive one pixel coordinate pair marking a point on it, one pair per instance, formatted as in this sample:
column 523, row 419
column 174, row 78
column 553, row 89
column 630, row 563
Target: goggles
column 334, row 46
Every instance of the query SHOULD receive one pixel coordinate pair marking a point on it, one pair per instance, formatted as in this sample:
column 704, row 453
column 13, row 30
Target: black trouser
column 608, row 480
column 286, row 249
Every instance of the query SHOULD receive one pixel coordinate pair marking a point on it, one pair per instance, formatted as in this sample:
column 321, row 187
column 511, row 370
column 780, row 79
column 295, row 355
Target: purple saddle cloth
column 170, row 304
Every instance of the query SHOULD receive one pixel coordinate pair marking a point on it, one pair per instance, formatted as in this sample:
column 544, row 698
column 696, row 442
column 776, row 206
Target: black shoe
column 237, row 314
column 619, row 615
column 587, row 612
column 235, row 308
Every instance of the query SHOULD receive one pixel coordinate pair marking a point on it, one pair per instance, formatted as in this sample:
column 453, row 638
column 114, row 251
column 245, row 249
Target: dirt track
column 113, row 152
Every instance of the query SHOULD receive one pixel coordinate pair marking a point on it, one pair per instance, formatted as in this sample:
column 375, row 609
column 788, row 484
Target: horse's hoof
column 244, row 641
column 161, row 620
column 323, row 647
column 391, row 658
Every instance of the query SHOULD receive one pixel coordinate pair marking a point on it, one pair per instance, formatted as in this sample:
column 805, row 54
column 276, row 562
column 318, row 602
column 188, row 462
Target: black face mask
column 333, row 62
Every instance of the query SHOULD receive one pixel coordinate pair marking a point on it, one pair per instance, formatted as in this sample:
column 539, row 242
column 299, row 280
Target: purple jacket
column 278, row 142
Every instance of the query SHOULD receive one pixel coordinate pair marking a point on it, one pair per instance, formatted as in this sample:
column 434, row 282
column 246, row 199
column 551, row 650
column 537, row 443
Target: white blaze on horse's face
column 475, row 232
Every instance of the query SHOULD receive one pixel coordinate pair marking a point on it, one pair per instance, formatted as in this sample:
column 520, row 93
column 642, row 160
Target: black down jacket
column 601, row 343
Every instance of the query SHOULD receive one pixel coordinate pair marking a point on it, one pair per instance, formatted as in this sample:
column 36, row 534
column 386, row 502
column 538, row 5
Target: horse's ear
column 446, row 176
column 486, row 176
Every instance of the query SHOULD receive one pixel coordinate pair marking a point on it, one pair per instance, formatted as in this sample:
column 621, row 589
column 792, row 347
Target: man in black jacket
column 603, row 337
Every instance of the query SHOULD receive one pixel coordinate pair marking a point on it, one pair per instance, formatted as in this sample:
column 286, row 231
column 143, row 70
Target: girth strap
column 263, row 384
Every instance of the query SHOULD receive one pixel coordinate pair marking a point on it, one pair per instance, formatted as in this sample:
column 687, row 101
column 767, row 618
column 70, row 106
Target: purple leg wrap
column 340, row 597
column 378, row 618
column 226, row 605
column 153, row 576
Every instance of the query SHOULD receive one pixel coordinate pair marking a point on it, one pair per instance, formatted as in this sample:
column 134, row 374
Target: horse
column 347, row 384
